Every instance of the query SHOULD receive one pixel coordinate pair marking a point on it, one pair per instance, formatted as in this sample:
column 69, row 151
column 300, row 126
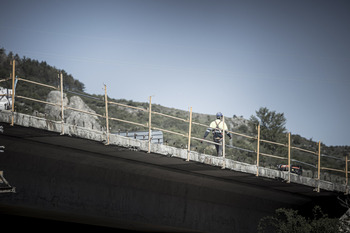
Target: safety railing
column 187, row 134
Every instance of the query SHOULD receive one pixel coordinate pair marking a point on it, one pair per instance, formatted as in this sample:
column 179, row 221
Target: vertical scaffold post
column 149, row 124
column 223, row 143
column 107, row 123
column 189, row 136
column 346, row 176
column 13, row 91
column 289, row 165
column 258, row 151
column 62, row 107
column 319, row 167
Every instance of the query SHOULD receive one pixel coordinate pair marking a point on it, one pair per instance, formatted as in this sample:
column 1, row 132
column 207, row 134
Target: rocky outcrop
column 71, row 117
column 55, row 111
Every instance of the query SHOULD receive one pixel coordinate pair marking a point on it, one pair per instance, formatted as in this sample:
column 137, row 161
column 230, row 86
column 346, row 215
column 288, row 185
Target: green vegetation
column 35, row 71
column 290, row 221
column 239, row 148
column 272, row 128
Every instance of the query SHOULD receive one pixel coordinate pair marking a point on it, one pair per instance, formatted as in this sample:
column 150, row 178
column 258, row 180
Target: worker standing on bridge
column 217, row 127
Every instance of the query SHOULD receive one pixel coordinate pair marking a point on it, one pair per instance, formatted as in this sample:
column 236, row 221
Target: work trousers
column 218, row 147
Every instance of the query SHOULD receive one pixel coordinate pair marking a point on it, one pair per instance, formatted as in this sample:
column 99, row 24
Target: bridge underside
column 76, row 180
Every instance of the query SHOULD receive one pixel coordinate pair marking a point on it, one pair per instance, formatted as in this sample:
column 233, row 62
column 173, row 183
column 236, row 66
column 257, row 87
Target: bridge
column 73, row 176
column 76, row 178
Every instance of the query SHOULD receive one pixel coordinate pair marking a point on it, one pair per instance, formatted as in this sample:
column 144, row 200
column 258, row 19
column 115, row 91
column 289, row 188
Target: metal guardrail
column 186, row 135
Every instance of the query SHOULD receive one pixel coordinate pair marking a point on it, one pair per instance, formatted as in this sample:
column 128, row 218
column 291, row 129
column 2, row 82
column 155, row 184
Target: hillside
column 239, row 148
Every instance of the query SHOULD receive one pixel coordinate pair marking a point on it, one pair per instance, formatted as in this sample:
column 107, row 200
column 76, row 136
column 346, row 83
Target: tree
column 272, row 124
column 289, row 221
column 272, row 128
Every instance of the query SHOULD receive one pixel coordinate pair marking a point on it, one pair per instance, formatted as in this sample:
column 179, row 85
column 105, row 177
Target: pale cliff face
column 72, row 117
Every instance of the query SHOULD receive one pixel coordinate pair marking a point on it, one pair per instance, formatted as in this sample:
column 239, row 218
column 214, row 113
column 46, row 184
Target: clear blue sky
column 292, row 57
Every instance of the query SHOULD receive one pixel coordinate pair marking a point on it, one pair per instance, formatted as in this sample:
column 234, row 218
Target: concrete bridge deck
column 77, row 180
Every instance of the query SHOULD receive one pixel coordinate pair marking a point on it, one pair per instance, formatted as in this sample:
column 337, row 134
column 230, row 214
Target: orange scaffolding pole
column 13, row 91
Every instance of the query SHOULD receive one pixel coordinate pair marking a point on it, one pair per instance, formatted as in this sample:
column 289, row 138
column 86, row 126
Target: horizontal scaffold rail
column 129, row 122
column 4, row 80
column 308, row 164
column 169, row 131
column 40, row 84
column 243, row 135
column 276, row 143
column 301, row 149
column 127, row 106
column 176, row 118
column 36, row 100
column 332, row 169
column 204, row 140
column 196, row 123
column 273, row 156
column 83, row 111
